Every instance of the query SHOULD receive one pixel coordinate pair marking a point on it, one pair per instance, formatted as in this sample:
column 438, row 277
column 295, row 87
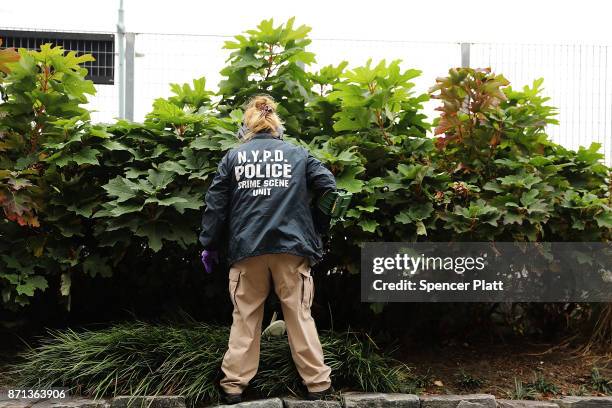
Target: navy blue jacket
column 259, row 200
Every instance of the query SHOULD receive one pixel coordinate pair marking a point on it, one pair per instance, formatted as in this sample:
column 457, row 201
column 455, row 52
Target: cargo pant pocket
column 234, row 279
column 307, row 288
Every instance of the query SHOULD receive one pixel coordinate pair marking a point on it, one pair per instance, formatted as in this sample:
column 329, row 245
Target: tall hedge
column 86, row 200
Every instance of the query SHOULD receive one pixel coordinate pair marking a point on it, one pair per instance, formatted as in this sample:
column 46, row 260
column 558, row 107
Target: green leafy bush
column 42, row 94
column 84, row 201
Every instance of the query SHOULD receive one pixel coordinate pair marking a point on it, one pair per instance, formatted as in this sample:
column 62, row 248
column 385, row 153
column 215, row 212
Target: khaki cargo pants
column 249, row 285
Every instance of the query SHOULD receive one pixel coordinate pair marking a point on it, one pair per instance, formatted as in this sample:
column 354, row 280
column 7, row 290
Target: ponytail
column 260, row 115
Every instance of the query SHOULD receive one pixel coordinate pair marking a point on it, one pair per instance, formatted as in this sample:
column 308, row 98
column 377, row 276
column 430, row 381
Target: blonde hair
column 260, row 114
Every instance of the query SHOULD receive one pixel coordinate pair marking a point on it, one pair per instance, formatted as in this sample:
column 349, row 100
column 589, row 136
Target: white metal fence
column 577, row 78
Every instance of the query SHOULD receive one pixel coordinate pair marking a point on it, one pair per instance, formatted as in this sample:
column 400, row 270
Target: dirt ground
column 499, row 366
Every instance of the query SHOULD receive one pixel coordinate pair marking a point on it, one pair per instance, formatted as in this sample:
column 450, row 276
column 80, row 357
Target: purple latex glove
column 208, row 257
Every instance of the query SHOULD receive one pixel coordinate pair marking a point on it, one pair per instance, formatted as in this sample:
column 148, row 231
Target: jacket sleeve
column 319, row 178
column 215, row 214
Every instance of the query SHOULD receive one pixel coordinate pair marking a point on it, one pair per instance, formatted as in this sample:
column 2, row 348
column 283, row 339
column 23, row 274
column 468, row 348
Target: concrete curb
column 348, row 400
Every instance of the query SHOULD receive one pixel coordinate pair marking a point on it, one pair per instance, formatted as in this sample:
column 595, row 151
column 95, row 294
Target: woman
column 261, row 191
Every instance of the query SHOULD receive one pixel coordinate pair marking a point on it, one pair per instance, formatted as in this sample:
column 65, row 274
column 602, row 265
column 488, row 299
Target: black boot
column 320, row 395
column 232, row 398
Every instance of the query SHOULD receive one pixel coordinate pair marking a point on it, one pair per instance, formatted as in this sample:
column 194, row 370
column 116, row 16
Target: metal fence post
column 130, row 39
column 120, row 57
column 465, row 55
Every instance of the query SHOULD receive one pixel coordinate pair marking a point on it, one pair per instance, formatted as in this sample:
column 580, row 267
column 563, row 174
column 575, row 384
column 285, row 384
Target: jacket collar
column 263, row 135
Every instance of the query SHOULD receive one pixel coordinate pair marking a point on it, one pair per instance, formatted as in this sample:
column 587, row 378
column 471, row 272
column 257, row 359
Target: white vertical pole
column 121, row 56
column 465, row 55
column 129, row 76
